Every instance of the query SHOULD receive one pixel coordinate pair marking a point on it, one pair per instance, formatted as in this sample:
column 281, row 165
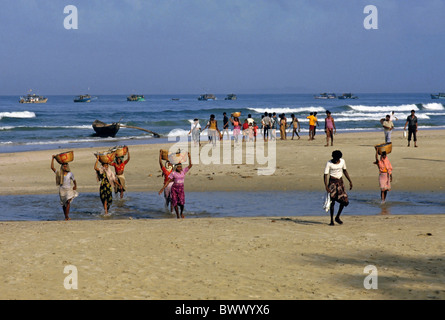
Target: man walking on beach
column 411, row 121
column 312, row 123
column 388, row 126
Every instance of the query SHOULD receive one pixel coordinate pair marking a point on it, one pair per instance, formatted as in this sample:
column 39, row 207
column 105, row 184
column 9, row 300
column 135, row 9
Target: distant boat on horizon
column 231, row 97
column 207, row 96
column 84, row 98
column 136, row 97
column 326, row 96
column 33, row 98
column 347, row 96
column 440, row 95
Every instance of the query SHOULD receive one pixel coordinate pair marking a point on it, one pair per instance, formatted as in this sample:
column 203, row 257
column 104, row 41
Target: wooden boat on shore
column 105, row 130
column 33, row 98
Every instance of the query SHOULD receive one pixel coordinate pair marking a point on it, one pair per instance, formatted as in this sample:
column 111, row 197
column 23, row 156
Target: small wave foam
column 400, row 108
column 433, row 106
column 288, row 110
column 18, row 114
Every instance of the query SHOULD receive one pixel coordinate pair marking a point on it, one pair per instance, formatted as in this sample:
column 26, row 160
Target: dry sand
column 232, row 258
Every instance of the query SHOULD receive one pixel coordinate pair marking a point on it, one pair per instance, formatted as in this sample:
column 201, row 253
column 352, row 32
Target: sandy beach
column 232, row 258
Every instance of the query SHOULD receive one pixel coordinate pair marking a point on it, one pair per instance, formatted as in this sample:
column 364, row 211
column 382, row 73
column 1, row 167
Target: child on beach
column 255, row 130
column 329, row 128
column 67, row 192
column 177, row 189
column 333, row 173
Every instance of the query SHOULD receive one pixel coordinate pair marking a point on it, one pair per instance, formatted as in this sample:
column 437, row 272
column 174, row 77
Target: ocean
column 62, row 123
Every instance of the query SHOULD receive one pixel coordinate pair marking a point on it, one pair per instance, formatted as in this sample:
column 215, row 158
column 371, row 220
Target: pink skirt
column 384, row 181
column 177, row 195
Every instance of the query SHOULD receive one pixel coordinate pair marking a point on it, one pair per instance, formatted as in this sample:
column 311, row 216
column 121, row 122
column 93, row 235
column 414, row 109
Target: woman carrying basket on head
column 67, row 191
column 177, row 189
column 385, row 174
column 107, row 180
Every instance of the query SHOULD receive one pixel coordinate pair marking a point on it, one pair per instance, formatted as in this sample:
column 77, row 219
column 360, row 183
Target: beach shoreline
column 299, row 166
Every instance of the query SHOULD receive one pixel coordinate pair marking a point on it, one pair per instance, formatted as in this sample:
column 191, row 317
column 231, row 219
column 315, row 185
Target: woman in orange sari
column 385, row 174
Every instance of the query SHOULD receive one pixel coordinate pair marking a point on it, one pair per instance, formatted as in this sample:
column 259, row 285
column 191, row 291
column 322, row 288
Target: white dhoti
column 67, row 194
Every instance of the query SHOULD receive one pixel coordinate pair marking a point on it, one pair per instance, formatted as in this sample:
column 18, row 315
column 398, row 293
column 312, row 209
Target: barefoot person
column 119, row 167
column 329, row 128
column 177, row 189
column 166, row 170
column 67, row 191
column 333, row 181
column 107, row 180
column 295, row 126
column 385, row 174
column 411, row 122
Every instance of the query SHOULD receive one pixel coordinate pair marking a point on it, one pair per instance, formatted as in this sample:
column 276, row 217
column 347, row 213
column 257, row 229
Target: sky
column 221, row 46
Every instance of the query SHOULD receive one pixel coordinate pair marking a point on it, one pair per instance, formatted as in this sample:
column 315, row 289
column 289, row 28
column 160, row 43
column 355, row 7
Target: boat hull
column 105, row 130
column 38, row 101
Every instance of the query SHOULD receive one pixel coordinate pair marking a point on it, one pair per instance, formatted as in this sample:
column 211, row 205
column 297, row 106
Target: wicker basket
column 236, row 114
column 164, row 154
column 106, row 157
column 384, row 147
column 65, row 157
column 121, row 151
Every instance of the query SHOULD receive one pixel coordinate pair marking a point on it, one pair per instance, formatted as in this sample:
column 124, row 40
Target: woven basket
column 106, row 157
column 164, row 154
column 65, row 157
column 384, row 147
column 121, row 151
column 236, row 114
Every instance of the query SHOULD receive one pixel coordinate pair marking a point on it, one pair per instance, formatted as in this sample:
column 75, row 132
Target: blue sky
column 224, row 46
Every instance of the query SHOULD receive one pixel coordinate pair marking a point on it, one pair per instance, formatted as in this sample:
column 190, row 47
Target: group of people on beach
column 108, row 180
column 174, row 175
column 269, row 124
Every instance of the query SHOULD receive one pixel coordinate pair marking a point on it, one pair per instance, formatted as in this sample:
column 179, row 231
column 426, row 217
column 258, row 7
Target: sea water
column 62, row 123
column 150, row 205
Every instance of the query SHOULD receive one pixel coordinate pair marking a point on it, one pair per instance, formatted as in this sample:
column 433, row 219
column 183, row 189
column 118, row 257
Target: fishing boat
column 347, row 96
column 105, row 130
column 33, row 98
column 83, row 98
column 136, row 97
column 207, row 96
column 231, row 97
column 326, row 96
column 440, row 95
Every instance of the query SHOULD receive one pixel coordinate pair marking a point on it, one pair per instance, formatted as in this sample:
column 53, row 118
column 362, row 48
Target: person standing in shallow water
column 333, row 181
column 67, row 192
column 385, row 174
column 177, row 189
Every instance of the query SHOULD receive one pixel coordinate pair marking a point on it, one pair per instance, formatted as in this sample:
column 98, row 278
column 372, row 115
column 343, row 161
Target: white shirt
column 335, row 170
column 67, row 180
column 195, row 126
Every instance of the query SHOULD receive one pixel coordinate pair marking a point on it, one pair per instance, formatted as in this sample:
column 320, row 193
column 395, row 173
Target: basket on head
column 236, row 114
column 384, row 147
column 164, row 154
column 177, row 157
column 121, row 151
column 65, row 157
column 106, row 157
